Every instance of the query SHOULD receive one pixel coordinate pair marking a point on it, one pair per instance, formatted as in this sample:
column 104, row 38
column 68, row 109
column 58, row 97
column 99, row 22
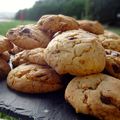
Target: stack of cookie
column 60, row 45
column 36, row 76
column 5, row 46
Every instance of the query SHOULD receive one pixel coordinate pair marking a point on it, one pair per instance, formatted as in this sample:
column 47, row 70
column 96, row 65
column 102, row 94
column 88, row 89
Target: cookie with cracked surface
column 110, row 40
column 5, row 44
column 28, row 37
column 113, row 63
column 97, row 95
column 91, row 26
column 54, row 23
column 5, row 56
column 76, row 52
column 33, row 78
column 4, row 68
column 35, row 56
column 108, row 35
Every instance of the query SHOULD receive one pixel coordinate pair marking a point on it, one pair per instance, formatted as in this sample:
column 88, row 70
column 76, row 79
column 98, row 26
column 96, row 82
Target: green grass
column 5, row 26
column 6, row 117
column 114, row 29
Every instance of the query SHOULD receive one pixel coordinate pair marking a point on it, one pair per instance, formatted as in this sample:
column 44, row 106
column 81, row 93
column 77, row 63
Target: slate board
column 50, row 106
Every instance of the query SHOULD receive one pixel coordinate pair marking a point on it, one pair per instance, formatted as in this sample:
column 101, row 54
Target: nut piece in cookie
column 97, row 95
column 4, row 68
column 5, row 44
column 33, row 78
column 91, row 26
column 54, row 23
column 76, row 52
column 113, row 63
column 28, row 37
column 35, row 56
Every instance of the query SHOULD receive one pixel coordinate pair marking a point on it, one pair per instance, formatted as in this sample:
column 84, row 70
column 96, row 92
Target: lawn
column 5, row 26
column 6, row 117
column 114, row 29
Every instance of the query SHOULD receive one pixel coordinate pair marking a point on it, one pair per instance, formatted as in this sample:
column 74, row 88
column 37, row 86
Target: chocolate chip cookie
column 4, row 68
column 91, row 26
column 35, row 56
column 54, row 23
column 33, row 78
column 28, row 37
column 5, row 56
column 110, row 40
column 113, row 63
column 5, row 44
column 97, row 95
column 76, row 52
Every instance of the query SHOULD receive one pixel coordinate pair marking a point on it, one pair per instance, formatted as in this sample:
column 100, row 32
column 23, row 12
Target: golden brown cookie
column 54, row 23
column 33, row 78
column 108, row 35
column 91, row 26
column 28, row 37
column 97, row 95
column 113, row 63
column 32, row 56
column 110, row 40
column 5, row 44
column 76, row 52
column 5, row 56
column 4, row 68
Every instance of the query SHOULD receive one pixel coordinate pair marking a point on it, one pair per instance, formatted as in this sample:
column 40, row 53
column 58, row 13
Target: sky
column 15, row 5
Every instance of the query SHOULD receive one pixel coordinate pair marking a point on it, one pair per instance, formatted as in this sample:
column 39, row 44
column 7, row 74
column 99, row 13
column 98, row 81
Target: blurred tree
column 106, row 10
column 72, row 8
column 103, row 10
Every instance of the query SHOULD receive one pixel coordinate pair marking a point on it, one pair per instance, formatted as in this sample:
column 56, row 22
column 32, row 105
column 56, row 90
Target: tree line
column 102, row 10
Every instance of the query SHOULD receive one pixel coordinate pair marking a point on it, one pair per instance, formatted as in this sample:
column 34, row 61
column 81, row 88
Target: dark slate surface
column 50, row 106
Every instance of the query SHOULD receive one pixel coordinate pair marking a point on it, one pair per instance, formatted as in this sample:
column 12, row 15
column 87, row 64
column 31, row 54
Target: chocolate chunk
column 72, row 38
column 105, row 100
column 116, row 68
column 26, row 30
column 11, row 32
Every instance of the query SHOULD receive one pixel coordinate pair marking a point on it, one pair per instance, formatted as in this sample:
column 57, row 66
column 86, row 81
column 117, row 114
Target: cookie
column 28, row 37
column 54, row 23
column 33, row 78
column 4, row 68
column 113, row 63
column 108, row 35
column 91, row 26
column 32, row 56
column 76, row 52
column 5, row 44
column 110, row 40
column 15, row 50
column 5, row 56
column 97, row 95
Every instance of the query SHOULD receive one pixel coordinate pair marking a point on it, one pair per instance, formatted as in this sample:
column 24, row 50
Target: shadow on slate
column 50, row 106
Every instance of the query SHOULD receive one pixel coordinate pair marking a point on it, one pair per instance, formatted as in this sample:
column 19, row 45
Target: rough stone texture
column 50, row 106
